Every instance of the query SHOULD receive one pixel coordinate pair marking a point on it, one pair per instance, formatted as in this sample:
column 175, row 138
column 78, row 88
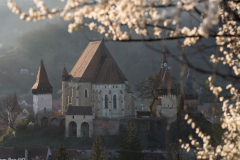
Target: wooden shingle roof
column 167, row 82
column 92, row 63
column 109, row 73
column 42, row 81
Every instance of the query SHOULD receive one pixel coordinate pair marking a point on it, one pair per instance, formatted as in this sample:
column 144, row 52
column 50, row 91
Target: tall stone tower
column 42, row 92
column 167, row 93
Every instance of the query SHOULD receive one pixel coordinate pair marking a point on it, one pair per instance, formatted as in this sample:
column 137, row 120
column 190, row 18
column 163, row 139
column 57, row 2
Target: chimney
column 26, row 154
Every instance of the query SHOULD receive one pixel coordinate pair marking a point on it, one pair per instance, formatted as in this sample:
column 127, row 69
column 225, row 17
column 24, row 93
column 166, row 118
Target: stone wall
column 104, row 127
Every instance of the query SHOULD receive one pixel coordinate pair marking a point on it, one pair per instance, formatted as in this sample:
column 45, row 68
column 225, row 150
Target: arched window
column 86, row 93
column 106, row 101
column 114, row 101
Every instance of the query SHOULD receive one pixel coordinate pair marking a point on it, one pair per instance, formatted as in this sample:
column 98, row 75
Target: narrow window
column 114, row 101
column 72, row 117
column 106, row 101
column 86, row 93
column 44, row 109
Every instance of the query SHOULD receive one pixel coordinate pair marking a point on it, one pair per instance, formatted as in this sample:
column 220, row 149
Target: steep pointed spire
column 64, row 74
column 42, row 84
column 15, row 106
column 164, row 59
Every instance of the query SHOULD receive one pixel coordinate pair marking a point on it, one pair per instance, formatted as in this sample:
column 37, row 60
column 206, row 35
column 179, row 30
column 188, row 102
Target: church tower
column 42, row 92
column 167, row 93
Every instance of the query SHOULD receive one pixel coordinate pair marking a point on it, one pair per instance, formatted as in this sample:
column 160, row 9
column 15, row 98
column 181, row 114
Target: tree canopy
column 98, row 152
column 130, row 147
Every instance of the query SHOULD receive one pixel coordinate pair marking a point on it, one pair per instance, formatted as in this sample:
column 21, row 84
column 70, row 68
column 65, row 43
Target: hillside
column 57, row 47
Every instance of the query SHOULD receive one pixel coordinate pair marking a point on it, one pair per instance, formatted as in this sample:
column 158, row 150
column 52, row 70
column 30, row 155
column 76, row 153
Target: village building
column 42, row 92
column 167, row 92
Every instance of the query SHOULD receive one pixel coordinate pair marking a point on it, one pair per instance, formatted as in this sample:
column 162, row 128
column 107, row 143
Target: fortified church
column 96, row 98
column 95, row 90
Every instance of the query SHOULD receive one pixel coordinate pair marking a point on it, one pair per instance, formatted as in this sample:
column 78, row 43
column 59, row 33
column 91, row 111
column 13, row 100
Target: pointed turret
column 163, row 65
column 166, row 82
column 65, row 74
column 164, row 60
column 15, row 106
column 42, row 84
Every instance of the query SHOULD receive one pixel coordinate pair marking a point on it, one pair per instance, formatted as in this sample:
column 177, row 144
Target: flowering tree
column 158, row 20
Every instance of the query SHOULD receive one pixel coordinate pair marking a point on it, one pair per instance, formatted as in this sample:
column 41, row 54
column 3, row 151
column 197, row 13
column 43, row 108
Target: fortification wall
column 104, row 127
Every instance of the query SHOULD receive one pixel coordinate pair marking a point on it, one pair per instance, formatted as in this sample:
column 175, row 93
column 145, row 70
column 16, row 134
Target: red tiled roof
column 167, row 82
column 5, row 152
column 15, row 106
column 89, row 63
column 42, row 78
column 79, row 110
column 33, row 151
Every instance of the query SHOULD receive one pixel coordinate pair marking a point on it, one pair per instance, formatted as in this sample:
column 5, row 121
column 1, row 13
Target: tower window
column 44, row 109
column 72, row 117
column 106, row 101
column 114, row 101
